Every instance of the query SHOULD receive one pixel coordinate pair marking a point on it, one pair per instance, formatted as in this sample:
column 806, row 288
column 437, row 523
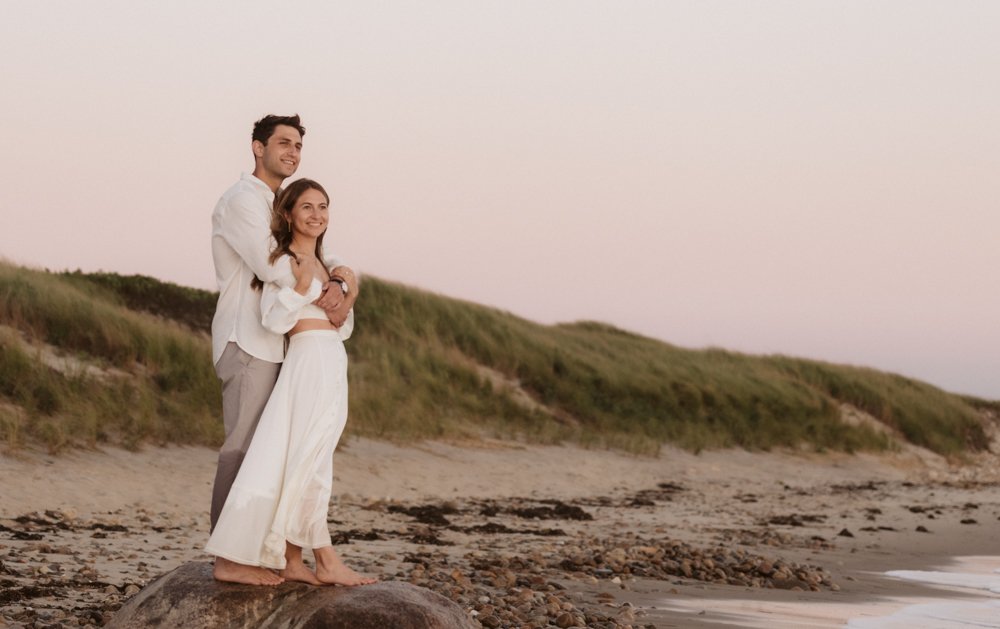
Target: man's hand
column 333, row 301
column 346, row 274
column 331, row 297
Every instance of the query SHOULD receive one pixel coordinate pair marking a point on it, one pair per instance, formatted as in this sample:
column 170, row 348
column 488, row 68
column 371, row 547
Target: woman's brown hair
column 281, row 228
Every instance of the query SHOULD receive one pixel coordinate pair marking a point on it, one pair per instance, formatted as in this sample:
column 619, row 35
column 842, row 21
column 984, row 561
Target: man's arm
column 246, row 230
column 334, row 301
column 346, row 274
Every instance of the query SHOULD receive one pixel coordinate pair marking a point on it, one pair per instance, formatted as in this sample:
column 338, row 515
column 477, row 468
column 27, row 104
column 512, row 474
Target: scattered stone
column 426, row 514
column 189, row 597
column 345, row 537
column 794, row 519
column 851, row 487
column 555, row 510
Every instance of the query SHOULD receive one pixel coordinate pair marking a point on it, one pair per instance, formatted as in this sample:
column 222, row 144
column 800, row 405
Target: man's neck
column 272, row 181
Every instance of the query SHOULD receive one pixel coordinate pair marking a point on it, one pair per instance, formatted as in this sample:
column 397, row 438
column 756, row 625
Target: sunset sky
column 818, row 179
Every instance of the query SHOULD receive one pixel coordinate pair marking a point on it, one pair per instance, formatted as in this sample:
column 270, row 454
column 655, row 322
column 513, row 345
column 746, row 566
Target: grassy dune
column 613, row 388
column 426, row 366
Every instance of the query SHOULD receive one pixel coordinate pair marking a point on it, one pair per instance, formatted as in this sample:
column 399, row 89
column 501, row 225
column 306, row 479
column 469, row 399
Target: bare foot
column 330, row 569
column 295, row 570
column 232, row 572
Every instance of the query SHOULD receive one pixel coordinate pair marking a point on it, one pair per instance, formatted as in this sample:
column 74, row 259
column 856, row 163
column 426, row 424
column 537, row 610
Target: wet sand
column 527, row 535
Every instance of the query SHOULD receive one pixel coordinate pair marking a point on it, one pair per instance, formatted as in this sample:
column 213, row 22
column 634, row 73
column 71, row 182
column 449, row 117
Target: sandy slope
column 178, row 479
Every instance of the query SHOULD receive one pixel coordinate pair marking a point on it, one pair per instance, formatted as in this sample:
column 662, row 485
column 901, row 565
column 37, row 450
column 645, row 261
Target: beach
column 533, row 536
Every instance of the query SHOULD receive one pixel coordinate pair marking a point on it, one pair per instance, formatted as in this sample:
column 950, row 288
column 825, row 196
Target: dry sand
column 82, row 531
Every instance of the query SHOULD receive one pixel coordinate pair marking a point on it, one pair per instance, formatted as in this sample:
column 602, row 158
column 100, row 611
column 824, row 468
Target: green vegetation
column 189, row 306
column 624, row 390
column 426, row 366
column 123, row 376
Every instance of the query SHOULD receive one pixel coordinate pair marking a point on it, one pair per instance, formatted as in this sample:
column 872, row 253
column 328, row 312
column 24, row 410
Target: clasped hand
column 332, row 300
column 334, row 303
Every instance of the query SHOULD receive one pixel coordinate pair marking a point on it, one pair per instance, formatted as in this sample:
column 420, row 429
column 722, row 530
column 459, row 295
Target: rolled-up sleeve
column 280, row 305
column 348, row 328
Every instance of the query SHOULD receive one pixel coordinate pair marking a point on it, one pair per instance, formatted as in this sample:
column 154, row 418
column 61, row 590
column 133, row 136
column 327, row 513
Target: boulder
column 189, row 597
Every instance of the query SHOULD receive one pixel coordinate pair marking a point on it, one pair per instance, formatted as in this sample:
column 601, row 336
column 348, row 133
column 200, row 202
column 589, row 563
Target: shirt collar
column 257, row 182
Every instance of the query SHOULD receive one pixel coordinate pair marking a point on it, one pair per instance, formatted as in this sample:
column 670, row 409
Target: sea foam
column 972, row 585
column 936, row 615
column 969, row 573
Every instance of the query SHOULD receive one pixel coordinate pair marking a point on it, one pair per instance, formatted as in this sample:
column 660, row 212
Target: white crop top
column 311, row 311
column 281, row 308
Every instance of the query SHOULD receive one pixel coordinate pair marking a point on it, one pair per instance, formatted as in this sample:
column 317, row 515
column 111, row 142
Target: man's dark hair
column 263, row 129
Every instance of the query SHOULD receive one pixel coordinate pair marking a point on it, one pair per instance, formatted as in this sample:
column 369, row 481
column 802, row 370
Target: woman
column 279, row 500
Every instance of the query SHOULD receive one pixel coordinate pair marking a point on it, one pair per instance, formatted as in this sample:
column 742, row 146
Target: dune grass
column 624, row 390
column 189, row 306
column 153, row 380
column 923, row 414
column 418, row 364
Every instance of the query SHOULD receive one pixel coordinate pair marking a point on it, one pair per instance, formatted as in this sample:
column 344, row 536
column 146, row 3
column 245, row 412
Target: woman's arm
column 280, row 305
column 347, row 328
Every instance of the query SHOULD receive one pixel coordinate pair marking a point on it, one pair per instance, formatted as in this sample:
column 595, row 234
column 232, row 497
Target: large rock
column 190, row 598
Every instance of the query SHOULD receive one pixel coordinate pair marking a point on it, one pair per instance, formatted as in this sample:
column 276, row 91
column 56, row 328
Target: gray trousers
column 246, row 385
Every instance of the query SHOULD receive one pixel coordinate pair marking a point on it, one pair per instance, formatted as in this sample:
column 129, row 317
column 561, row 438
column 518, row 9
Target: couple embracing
column 284, row 410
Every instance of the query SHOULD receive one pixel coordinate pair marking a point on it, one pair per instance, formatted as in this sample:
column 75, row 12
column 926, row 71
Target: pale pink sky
column 812, row 178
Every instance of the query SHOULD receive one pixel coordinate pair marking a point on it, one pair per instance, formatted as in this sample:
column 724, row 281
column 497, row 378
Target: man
column 246, row 355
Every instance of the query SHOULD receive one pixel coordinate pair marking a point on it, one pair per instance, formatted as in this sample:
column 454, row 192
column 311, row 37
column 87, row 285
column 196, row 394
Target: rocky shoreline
column 607, row 560
column 507, row 569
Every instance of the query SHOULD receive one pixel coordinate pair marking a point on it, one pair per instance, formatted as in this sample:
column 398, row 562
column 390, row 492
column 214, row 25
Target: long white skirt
column 282, row 491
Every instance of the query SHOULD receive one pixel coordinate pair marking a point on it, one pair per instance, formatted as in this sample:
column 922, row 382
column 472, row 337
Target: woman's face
column 310, row 215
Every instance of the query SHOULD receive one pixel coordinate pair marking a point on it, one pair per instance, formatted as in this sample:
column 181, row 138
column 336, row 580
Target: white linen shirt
column 241, row 244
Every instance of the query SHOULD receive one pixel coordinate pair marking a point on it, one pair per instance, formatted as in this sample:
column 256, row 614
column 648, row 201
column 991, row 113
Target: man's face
column 280, row 156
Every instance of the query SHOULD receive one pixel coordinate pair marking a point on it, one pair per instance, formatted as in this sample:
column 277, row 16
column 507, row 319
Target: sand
column 83, row 530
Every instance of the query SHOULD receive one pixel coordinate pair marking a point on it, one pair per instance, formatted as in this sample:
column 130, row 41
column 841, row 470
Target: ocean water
column 975, row 576
column 938, row 615
column 973, row 600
